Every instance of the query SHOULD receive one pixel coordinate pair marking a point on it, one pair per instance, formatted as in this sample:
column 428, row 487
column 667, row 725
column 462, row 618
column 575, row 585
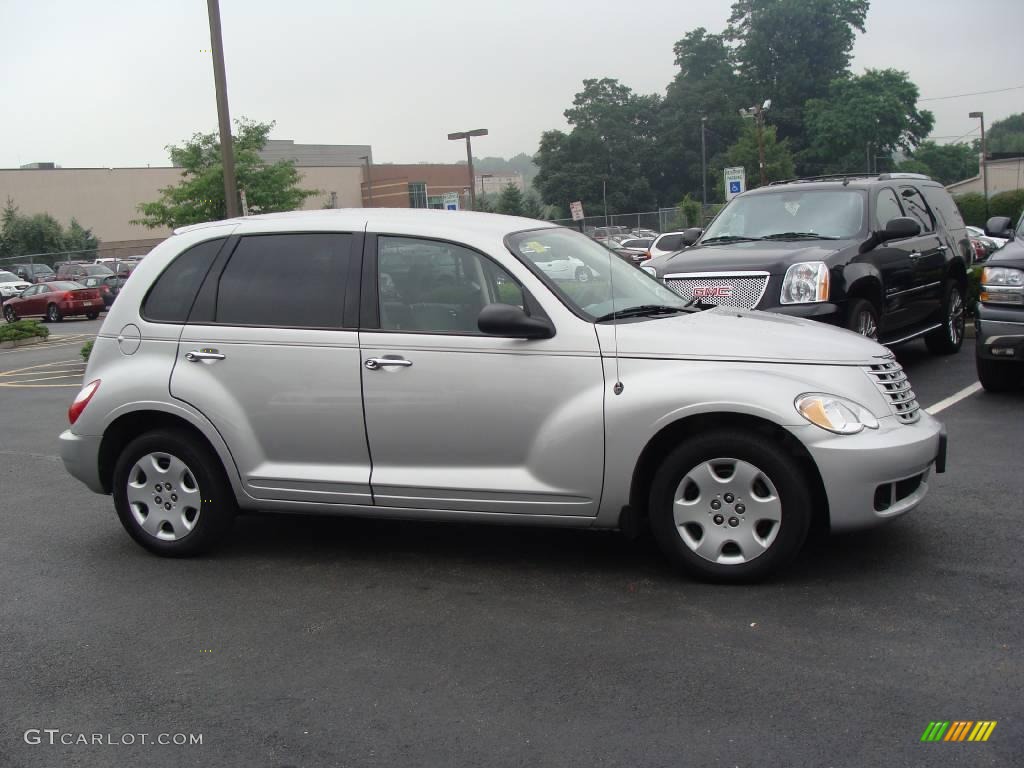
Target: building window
column 435, row 201
column 417, row 194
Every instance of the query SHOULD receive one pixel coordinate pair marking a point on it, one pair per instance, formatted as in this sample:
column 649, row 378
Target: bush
column 23, row 329
column 86, row 350
column 691, row 212
column 972, row 208
column 1007, row 204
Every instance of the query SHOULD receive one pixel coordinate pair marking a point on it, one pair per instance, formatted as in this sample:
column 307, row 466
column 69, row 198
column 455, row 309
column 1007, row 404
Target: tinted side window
column 671, row 242
column 917, row 208
column 294, row 280
column 171, row 297
column 887, row 207
column 944, row 207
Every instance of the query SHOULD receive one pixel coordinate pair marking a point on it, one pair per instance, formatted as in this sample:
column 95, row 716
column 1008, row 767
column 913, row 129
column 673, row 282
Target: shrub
column 973, row 288
column 1007, row 204
column 23, row 329
column 86, row 350
column 972, row 208
column 691, row 212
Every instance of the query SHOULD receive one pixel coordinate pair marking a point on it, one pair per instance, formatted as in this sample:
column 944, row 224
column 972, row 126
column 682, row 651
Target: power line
column 975, row 93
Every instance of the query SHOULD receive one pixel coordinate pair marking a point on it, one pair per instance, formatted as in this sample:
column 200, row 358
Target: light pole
column 984, row 158
column 483, row 176
column 227, row 151
column 757, row 112
column 703, row 166
column 369, row 181
column 467, row 135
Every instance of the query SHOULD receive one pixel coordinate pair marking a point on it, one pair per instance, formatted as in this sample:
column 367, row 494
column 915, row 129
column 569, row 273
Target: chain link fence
column 660, row 221
column 111, row 257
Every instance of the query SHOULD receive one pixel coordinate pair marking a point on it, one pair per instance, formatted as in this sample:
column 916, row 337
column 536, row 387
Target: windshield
column 97, row 269
column 7, row 277
column 600, row 282
column 828, row 213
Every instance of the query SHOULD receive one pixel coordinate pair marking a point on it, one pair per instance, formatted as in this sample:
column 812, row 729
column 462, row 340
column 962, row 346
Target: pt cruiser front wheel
column 171, row 494
column 727, row 507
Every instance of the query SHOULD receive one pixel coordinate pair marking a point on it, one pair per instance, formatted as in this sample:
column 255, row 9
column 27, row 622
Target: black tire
column 781, row 470
column 999, row 375
column 53, row 314
column 9, row 314
column 948, row 339
column 218, row 506
column 91, row 315
column 862, row 317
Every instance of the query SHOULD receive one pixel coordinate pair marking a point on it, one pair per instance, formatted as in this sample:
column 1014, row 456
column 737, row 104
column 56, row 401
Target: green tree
column 944, row 162
column 200, row 195
column 22, row 235
column 778, row 160
column 83, row 241
column 877, row 108
column 510, row 201
column 1007, row 135
column 532, row 208
column 791, row 51
column 972, row 208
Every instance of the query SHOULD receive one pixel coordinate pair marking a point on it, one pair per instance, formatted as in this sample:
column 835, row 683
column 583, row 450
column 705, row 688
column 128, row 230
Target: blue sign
column 734, row 187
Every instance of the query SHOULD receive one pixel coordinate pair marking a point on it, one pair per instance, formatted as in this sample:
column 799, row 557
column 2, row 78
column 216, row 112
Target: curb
column 21, row 342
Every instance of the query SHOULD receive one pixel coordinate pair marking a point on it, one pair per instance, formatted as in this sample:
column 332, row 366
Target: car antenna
column 619, row 386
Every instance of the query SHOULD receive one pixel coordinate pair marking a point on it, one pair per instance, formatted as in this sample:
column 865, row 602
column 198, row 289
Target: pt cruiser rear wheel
column 727, row 507
column 171, row 494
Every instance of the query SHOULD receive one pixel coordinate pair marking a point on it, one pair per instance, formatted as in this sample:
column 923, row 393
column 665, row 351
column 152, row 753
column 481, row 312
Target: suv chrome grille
column 893, row 383
column 733, row 289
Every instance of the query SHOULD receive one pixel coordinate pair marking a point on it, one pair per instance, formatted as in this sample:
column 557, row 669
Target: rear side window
column 917, row 208
column 171, row 297
column 887, row 207
column 292, row 280
column 670, row 243
column 944, row 207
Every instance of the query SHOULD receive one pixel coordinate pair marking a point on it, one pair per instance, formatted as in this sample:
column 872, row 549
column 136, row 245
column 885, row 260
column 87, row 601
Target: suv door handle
column 374, row 363
column 915, row 255
column 198, row 355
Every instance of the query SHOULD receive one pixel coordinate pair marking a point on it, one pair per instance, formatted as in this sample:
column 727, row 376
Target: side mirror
column 692, row 235
column 506, row 320
column 999, row 226
column 899, row 228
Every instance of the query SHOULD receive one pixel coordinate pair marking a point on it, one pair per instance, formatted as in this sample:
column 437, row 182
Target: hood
column 773, row 256
column 1010, row 255
column 738, row 334
column 17, row 283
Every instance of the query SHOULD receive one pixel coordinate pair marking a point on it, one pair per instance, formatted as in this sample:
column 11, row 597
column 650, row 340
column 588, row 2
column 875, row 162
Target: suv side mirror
column 506, row 320
column 692, row 235
column 999, row 226
column 899, row 228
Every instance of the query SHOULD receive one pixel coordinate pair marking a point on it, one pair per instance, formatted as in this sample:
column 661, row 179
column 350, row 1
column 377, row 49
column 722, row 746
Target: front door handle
column 198, row 355
column 915, row 255
column 374, row 363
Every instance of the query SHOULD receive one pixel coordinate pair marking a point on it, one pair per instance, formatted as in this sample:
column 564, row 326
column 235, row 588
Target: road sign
column 577, row 210
column 451, row 201
column 735, row 182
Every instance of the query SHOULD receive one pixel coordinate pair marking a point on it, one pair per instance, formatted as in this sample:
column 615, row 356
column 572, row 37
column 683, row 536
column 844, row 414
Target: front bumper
column 999, row 332
column 877, row 474
column 81, row 457
column 825, row 311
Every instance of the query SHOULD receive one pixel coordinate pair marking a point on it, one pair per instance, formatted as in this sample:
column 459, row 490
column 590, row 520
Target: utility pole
column 984, row 158
column 369, row 181
column 467, row 135
column 757, row 112
column 227, row 150
column 703, row 165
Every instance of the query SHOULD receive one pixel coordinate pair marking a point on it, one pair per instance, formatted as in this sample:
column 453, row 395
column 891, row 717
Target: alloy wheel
column 956, row 319
column 866, row 325
column 53, row 314
column 163, row 496
column 9, row 315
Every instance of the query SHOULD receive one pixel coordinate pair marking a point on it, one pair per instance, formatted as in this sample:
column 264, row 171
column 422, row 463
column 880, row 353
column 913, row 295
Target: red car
column 54, row 301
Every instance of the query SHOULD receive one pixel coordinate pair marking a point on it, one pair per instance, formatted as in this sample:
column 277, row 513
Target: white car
column 670, row 242
column 11, row 285
column 979, row 232
column 557, row 266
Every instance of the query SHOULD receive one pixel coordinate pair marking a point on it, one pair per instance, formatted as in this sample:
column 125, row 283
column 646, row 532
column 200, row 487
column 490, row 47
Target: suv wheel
column 171, row 494
column 999, row 375
column 950, row 337
column 53, row 314
column 9, row 314
column 727, row 507
column 863, row 318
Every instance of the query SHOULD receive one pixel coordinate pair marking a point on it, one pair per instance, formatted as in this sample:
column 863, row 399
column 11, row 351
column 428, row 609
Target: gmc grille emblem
column 713, row 291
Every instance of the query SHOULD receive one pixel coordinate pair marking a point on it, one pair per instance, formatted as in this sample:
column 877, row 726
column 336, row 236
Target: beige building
column 1004, row 175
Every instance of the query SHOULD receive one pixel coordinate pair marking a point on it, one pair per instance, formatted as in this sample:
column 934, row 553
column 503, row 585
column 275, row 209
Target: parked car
column 108, row 287
column 980, row 250
column 33, row 273
column 76, row 270
column 885, row 256
column 484, row 392
column 11, row 285
column 999, row 323
column 670, row 242
column 54, row 301
column 556, row 265
column 978, row 232
column 644, row 233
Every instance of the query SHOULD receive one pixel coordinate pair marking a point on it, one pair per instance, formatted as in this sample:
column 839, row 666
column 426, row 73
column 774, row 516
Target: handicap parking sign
column 734, row 187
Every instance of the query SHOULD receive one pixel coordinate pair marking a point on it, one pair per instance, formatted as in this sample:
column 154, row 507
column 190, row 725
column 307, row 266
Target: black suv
column 885, row 256
column 999, row 346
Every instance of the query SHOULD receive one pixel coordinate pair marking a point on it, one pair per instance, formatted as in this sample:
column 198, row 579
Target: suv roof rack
column 846, row 178
column 887, row 176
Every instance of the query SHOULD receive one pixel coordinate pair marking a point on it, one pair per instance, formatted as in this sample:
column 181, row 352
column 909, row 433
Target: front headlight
column 651, row 271
column 805, row 283
column 835, row 414
column 1002, row 285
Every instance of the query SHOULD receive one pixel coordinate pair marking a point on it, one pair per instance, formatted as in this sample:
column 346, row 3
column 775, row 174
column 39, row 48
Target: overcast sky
column 112, row 82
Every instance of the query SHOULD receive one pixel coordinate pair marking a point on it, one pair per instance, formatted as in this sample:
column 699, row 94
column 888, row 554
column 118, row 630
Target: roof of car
column 857, row 181
column 381, row 219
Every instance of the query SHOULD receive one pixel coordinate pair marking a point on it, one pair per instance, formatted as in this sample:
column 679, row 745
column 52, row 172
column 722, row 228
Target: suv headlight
column 1002, row 285
column 805, row 283
column 835, row 414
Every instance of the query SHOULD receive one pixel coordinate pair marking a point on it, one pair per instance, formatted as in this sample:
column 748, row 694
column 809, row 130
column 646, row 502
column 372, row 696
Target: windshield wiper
column 643, row 310
column 798, row 236
column 729, row 239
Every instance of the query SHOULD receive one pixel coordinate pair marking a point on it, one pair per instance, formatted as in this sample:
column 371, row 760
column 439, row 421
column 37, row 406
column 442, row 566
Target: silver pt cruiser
column 422, row 365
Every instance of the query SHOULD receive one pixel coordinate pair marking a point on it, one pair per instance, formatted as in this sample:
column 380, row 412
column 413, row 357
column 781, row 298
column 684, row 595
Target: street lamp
column 482, row 177
column 984, row 157
column 369, row 181
column 757, row 112
column 467, row 135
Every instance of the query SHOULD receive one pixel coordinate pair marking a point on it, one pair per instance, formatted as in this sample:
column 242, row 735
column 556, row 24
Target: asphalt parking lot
column 321, row 641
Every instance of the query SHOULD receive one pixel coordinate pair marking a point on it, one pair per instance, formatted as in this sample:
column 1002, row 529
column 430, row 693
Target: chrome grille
column 733, row 289
column 892, row 382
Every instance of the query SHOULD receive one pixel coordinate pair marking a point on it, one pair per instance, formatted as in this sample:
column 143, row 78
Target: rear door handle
column 374, row 363
column 198, row 355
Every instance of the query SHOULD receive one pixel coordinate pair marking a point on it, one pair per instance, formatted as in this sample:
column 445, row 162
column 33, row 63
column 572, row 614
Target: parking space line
column 41, row 365
column 953, row 399
column 39, row 347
